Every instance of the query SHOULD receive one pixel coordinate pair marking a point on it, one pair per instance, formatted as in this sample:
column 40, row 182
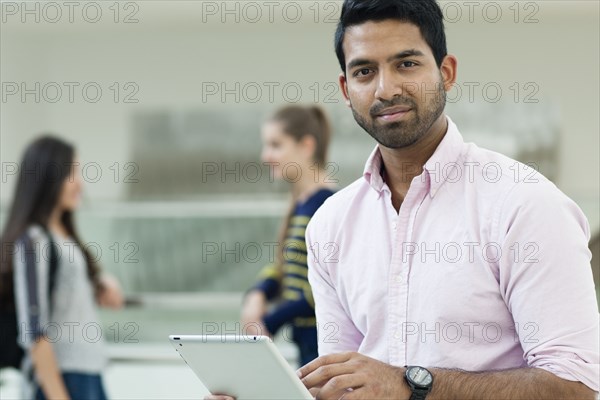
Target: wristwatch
column 419, row 380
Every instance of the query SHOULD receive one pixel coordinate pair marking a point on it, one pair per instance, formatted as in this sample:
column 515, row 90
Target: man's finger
column 314, row 390
column 341, row 385
column 355, row 394
column 324, row 373
column 324, row 360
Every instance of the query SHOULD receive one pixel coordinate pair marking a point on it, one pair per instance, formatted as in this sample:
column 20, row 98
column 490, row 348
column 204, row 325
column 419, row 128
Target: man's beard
column 411, row 128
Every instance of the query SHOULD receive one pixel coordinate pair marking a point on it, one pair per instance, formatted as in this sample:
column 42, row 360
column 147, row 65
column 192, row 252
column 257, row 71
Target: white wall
column 171, row 51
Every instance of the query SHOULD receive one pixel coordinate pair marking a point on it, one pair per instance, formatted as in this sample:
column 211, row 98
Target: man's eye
column 407, row 64
column 362, row 72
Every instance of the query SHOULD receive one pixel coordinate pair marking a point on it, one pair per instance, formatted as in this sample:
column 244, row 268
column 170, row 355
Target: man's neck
column 400, row 166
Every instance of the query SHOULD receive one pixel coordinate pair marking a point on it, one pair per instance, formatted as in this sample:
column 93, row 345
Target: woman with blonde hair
column 295, row 142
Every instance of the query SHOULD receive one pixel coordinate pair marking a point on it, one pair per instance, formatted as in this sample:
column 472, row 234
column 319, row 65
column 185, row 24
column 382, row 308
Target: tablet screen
column 247, row 367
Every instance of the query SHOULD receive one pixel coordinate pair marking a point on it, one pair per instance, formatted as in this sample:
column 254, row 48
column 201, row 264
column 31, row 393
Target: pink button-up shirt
column 486, row 266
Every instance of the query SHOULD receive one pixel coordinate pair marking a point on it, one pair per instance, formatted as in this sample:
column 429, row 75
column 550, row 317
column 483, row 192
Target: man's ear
column 448, row 69
column 344, row 87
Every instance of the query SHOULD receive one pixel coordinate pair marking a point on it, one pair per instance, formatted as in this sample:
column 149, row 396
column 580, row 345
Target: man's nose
column 389, row 84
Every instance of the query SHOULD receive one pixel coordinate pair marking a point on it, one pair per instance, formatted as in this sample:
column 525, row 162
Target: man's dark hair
column 426, row 14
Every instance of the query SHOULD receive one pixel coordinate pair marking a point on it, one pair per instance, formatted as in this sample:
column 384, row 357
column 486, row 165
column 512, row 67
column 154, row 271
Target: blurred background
column 164, row 102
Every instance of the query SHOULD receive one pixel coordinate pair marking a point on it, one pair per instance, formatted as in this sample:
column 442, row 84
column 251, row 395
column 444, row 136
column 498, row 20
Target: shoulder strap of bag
column 53, row 267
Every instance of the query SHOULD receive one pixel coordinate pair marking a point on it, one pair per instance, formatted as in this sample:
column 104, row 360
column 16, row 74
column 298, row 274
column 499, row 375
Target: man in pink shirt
column 466, row 266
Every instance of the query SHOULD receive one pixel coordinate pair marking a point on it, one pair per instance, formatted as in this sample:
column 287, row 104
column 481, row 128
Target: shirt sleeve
column 286, row 312
column 546, row 280
column 31, row 266
column 268, row 282
column 336, row 331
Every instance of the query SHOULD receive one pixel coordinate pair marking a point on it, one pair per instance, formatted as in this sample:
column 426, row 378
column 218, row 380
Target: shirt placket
column 402, row 232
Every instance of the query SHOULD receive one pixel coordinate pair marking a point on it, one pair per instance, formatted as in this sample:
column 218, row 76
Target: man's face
column 392, row 82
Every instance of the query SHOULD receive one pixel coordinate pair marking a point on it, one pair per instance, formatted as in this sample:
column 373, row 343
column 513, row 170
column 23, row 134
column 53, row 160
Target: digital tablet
column 246, row 367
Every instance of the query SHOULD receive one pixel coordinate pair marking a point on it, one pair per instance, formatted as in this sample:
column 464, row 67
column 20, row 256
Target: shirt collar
column 437, row 169
column 372, row 171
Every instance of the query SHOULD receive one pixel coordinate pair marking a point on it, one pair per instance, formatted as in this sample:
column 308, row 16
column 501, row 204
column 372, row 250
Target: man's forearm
column 521, row 383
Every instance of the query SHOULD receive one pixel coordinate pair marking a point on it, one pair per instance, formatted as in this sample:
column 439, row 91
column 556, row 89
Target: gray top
column 73, row 326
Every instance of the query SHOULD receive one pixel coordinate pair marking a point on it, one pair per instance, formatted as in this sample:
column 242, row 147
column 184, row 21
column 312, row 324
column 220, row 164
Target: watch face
column 419, row 376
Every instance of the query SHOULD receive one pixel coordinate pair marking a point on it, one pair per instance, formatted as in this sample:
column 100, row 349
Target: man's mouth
column 393, row 113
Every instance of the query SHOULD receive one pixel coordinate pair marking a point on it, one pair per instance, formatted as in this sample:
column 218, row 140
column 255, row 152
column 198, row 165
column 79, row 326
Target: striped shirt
column 297, row 306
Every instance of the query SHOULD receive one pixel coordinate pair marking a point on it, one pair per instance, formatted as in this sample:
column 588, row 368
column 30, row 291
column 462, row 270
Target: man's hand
column 353, row 376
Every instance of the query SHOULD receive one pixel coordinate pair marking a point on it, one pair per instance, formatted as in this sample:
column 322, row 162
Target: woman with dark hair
column 56, row 311
column 295, row 141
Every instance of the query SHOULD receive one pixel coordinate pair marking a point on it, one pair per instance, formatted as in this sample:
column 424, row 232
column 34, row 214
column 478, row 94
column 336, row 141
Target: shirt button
column 398, row 334
column 395, row 225
column 398, row 278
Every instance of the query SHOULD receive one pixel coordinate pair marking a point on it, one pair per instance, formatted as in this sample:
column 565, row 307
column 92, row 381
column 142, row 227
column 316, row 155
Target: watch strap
column 418, row 394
